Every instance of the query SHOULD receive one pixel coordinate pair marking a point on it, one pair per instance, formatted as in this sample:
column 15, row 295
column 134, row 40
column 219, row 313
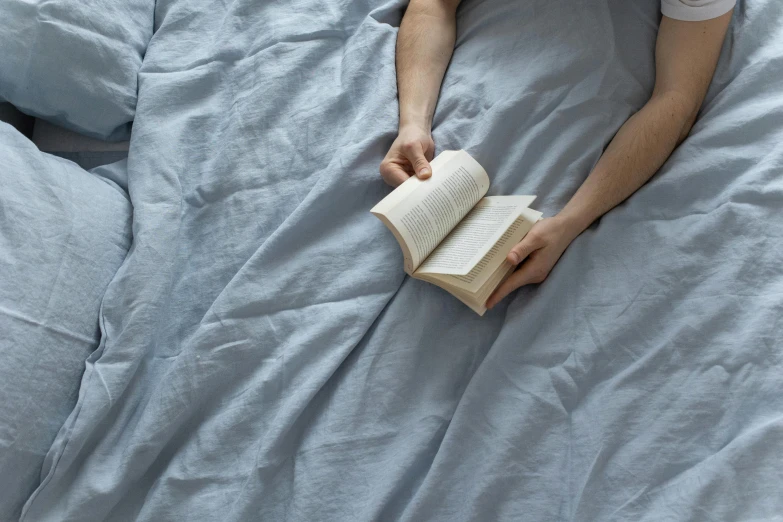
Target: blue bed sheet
column 263, row 357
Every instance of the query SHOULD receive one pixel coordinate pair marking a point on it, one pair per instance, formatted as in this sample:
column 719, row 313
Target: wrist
column 572, row 222
column 417, row 120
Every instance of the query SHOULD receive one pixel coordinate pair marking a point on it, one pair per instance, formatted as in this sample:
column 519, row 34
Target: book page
column 475, row 235
column 426, row 215
column 493, row 260
column 475, row 300
column 489, row 264
column 475, row 288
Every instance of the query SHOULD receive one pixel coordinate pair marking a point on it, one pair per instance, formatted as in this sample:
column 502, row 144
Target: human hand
column 410, row 154
column 538, row 252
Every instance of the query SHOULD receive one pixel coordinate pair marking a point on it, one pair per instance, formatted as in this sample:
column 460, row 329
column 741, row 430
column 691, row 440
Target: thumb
column 521, row 250
column 415, row 154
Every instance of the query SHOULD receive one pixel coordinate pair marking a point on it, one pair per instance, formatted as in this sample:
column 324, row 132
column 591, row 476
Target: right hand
column 410, row 154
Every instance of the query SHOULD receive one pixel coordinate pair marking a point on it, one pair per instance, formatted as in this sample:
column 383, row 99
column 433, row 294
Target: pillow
column 63, row 234
column 75, row 63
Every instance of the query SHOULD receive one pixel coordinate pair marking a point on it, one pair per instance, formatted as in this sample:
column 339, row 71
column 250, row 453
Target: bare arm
column 686, row 55
column 425, row 43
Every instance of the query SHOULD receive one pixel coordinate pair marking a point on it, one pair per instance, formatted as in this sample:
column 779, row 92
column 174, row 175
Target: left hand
column 538, row 252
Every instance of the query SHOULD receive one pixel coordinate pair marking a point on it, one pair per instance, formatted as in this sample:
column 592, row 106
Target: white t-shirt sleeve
column 696, row 10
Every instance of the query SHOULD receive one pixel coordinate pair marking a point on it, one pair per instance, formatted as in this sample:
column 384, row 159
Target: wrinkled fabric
column 263, row 357
column 63, row 234
column 75, row 63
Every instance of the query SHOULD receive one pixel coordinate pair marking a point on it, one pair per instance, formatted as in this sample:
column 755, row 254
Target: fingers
column 393, row 173
column 414, row 151
column 530, row 273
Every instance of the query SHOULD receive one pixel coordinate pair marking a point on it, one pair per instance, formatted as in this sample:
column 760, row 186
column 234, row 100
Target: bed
column 262, row 355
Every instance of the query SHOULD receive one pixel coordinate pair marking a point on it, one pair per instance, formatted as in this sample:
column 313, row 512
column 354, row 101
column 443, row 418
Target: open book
column 453, row 236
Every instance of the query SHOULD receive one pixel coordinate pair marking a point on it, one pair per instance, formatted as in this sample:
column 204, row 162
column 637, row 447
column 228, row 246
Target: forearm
column 637, row 151
column 686, row 55
column 424, row 46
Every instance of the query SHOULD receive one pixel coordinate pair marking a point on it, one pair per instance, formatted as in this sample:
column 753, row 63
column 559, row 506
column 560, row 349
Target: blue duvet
column 263, row 357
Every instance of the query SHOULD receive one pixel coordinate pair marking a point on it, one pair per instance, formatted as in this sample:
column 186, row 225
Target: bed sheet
column 263, row 356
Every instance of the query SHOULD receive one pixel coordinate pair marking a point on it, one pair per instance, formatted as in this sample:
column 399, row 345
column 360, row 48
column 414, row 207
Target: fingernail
column 513, row 257
column 424, row 172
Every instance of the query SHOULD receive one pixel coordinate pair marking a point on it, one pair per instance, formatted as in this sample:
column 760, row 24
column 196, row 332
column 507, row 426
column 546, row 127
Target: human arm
column 686, row 55
column 425, row 43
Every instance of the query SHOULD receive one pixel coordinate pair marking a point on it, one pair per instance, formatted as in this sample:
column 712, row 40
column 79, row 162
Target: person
column 688, row 45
